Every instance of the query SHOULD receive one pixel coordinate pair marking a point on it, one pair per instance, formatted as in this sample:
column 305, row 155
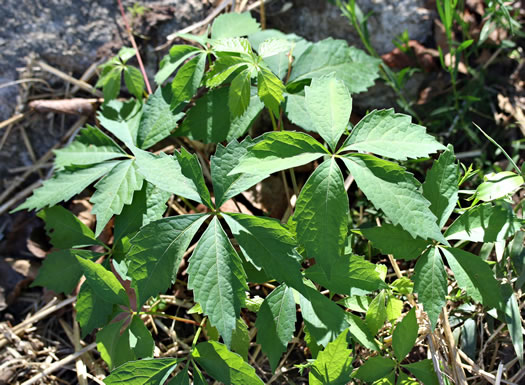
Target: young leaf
column 65, row 229
column 441, row 186
column 143, row 372
column 394, row 240
column 121, row 119
column 223, row 365
column 233, row 25
column 239, row 93
column 134, row 81
column 276, row 151
column 188, row 80
column 405, row 335
column 158, row 118
column 64, row 185
column 227, row 186
column 111, row 83
column 333, row 365
column 329, row 105
column 424, row 371
column 267, row 244
column 394, row 307
column 351, row 65
column 90, row 146
column 217, row 279
column 191, row 169
column 276, row 323
column 385, row 133
column 484, row 223
column 475, row 277
column 103, row 282
column 92, row 311
column 210, row 121
column 430, row 283
column 157, row 252
column 391, row 189
column 375, row 368
column 376, row 313
column 360, row 332
column 179, row 53
column 241, row 339
column 322, row 215
column 233, row 45
column 270, row 90
column 223, row 68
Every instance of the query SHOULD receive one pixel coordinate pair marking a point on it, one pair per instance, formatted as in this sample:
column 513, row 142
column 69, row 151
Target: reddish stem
column 134, row 44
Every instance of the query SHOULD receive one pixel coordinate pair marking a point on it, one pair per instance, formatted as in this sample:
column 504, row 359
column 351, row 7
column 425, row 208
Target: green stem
column 198, row 333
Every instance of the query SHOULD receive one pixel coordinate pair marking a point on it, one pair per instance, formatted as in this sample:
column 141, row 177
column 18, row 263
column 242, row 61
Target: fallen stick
column 80, row 84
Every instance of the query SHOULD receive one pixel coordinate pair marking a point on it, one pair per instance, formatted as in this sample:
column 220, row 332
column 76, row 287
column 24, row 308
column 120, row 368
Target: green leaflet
column 270, row 89
column 475, row 277
column 171, row 179
column 181, row 378
column 424, row 371
column 376, row 313
column 268, row 245
column 394, row 307
column 60, row 270
column 121, row 119
column 233, row 25
column 103, row 282
column 217, row 279
column 134, row 343
column 233, row 45
column 405, row 335
column 227, row 186
column 329, row 105
column 324, row 319
column 322, row 215
column 210, row 121
column 90, row 146
column 114, row 191
column 430, row 283
column 64, row 185
column 375, row 368
column 348, row 272
column 394, row 240
column 391, row 189
column 110, row 81
column 360, row 332
column 241, row 339
column 223, row 365
column 134, row 81
column 484, row 223
column 65, row 230
column 276, row 151
column 385, row 133
column 157, row 251
column 158, row 119
column 276, row 323
column 177, row 56
column 239, row 93
column 92, row 311
column 224, row 67
column 143, row 372
column 441, row 186
column 351, row 65
column 513, row 320
column 188, row 80
column 191, row 169
column 333, row 365
column 273, row 46
column 498, row 185
column 296, row 112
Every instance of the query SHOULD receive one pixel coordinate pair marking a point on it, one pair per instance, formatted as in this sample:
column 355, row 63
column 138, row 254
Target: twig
column 435, row 360
column 12, row 120
column 453, row 354
column 134, row 44
column 18, row 197
column 81, row 84
column 499, row 374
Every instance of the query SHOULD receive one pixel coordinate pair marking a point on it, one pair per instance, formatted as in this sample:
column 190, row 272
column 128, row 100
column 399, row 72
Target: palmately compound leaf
column 268, row 245
column 430, row 283
column 191, row 169
column 114, row 191
column 393, row 190
column 158, row 119
column 348, row 272
column 142, row 372
column 322, row 215
column 333, row 365
column 405, row 335
column 276, row 151
column 188, row 80
column 474, row 276
column 223, row 365
column 441, row 186
column 92, row 311
column 234, row 25
column 270, row 89
column 171, row 179
column 103, row 282
column 385, row 133
column 484, row 223
column 424, row 371
column 60, row 270
column 276, row 323
column 64, row 185
column 227, row 186
column 157, row 251
column 117, row 348
column 89, row 147
column 178, row 54
column 217, row 279
column 357, row 69
column 394, row 240
column 329, row 105
column 375, row 368
column 239, row 93
column 65, row 230
column 121, row 119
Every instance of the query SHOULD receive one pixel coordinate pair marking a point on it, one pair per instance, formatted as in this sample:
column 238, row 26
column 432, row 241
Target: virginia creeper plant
column 213, row 91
